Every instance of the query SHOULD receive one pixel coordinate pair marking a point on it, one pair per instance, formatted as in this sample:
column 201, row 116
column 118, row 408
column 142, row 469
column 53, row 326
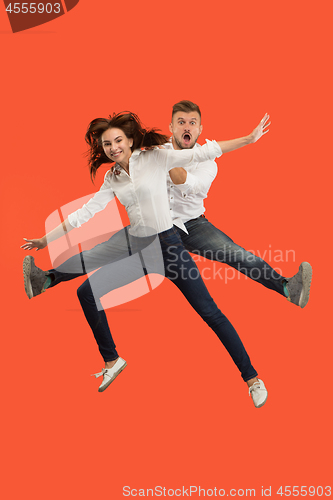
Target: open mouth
column 187, row 138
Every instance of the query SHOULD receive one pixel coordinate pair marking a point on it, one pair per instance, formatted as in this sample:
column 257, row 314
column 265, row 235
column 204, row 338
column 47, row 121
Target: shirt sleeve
column 199, row 180
column 170, row 158
column 97, row 203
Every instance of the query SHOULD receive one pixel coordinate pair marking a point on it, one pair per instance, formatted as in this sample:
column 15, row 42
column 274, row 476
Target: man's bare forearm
column 178, row 175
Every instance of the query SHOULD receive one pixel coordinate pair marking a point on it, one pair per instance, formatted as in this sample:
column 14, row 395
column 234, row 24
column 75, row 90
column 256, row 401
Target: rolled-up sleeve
column 96, row 204
column 200, row 179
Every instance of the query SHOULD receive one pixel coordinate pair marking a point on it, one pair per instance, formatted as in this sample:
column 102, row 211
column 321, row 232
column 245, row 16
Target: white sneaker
column 259, row 393
column 109, row 374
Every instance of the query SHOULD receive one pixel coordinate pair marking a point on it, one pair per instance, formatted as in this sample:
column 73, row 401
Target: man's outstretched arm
column 179, row 175
column 255, row 135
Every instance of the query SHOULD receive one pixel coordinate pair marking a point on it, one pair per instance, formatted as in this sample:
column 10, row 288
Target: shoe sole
column 306, row 280
column 105, row 386
column 26, row 275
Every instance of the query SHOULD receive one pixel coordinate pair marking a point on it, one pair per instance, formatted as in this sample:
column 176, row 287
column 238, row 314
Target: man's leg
column 183, row 272
column 208, row 241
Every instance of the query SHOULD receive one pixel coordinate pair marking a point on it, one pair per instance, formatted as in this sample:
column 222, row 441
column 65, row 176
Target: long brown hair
column 131, row 125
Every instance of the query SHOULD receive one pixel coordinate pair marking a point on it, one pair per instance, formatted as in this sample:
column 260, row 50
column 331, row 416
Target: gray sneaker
column 34, row 277
column 298, row 287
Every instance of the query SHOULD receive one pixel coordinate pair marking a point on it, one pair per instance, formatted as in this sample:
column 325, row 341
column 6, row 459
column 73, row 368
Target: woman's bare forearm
column 59, row 231
column 40, row 243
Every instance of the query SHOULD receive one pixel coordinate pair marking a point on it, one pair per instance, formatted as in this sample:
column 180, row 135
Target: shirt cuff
column 187, row 187
column 215, row 148
column 73, row 220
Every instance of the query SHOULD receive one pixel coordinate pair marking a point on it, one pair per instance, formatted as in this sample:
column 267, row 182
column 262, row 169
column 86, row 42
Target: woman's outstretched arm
column 97, row 203
column 41, row 243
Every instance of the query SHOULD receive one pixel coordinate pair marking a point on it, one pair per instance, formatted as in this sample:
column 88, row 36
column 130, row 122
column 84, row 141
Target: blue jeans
column 118, row 246
column 208, row 241
column 179, row 268
column 203, row 239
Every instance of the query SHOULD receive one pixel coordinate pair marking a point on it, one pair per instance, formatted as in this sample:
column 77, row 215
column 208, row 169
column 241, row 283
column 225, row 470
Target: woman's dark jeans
column 179, row 268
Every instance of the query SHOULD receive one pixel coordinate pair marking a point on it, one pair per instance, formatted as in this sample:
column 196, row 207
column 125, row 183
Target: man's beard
column 190, row 146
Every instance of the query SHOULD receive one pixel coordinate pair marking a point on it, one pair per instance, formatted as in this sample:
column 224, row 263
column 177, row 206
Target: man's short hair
column 185, row 107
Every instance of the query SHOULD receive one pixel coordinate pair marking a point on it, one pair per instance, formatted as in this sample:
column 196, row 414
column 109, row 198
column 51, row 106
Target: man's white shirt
column 187, row 200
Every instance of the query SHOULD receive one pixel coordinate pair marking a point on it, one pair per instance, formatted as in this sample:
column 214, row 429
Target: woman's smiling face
column 117, row 146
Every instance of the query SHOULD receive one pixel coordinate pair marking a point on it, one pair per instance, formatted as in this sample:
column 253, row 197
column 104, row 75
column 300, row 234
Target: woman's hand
column 56, row 233
column 39, row 244
column 260, row 130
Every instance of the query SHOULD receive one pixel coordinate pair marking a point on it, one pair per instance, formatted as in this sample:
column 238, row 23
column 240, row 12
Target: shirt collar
column 118, row 169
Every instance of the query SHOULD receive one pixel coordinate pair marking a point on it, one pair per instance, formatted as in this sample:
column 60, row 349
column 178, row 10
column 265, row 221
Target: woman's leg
column 114, row 249
column 97, row 320
column 96, row 317
column 143, row 254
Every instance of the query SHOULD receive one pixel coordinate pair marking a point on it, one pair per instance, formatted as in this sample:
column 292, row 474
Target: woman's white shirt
column 144, row 192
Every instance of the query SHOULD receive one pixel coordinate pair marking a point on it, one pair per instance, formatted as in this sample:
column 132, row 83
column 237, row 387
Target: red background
column 179, row 414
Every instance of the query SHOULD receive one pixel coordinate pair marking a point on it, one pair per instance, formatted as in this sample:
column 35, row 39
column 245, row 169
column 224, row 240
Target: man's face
column 185, row 129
